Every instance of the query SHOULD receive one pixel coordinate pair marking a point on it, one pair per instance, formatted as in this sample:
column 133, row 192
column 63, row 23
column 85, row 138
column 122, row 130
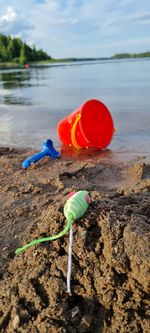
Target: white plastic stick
column 69, row 261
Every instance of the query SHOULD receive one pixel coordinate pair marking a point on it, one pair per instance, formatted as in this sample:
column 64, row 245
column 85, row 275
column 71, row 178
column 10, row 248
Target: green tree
column 3, row 40
column 17, row 45
column 11, row 53
column 13, row 49
column 3, row 54
column 23, row 56
column 34, row 54
column 28, row 52
column 41, row 55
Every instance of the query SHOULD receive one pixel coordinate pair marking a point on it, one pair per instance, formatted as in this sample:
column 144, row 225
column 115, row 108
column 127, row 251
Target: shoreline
column 63, row 62
column 110, row 247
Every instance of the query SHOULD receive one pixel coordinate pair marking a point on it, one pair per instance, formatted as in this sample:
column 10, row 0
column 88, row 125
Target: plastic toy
column 75, row 207
column 48, row 150
column 89, row 126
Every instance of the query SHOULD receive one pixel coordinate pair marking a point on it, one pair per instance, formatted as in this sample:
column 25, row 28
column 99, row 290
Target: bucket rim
column 82, row 108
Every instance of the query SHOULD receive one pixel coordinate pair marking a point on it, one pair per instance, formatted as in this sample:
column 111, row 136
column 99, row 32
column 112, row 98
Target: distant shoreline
column 13, row 65
column 14, row 52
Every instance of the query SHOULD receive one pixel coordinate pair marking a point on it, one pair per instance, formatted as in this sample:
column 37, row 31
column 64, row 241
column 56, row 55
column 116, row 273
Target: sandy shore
column 110, row 271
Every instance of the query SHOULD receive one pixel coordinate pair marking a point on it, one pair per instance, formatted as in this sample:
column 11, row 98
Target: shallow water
column 32, row 101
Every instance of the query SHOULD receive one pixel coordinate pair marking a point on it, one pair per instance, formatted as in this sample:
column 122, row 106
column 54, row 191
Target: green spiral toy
column 75, row 207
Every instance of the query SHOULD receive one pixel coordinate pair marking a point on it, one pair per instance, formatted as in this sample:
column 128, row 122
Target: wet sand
column 110, row 269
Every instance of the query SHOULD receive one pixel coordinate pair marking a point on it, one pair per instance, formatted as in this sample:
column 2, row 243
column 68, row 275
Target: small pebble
column 75, row 311
column 15, row 322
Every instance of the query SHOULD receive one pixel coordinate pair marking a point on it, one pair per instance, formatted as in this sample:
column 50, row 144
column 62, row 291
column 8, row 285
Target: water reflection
column 85, row 154
column 25, row 86
column 12, row 83
column 13, row 80
column 15, row 100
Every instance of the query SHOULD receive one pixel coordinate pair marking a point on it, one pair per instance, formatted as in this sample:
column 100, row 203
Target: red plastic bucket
column 91, row 125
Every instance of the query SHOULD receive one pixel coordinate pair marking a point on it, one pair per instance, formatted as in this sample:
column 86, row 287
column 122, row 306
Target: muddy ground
column 110, row 270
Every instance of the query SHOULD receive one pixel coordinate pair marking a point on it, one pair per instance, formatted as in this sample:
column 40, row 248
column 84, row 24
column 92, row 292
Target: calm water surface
column 33, row 101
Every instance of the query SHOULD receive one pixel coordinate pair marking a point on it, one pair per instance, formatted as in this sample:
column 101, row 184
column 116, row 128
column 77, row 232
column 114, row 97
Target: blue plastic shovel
column 48, row 150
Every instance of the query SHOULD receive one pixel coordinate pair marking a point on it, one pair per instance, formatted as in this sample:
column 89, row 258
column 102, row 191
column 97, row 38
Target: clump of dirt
column 110, row 268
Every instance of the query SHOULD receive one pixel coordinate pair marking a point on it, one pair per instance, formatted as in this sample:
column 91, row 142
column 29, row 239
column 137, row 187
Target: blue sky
column 79, row 28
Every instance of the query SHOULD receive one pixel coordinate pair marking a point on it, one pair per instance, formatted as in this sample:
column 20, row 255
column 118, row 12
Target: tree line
column 131, row 55
column 14, row 49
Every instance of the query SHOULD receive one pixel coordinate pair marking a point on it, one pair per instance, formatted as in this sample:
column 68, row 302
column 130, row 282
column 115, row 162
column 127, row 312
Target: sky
column 79, row 28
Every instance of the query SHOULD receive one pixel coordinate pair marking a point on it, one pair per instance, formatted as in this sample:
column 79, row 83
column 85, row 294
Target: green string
column 40, row 240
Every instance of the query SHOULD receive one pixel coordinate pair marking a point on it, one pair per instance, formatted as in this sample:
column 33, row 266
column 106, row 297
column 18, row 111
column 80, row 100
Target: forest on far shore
column 13, row 49
column 131, row 55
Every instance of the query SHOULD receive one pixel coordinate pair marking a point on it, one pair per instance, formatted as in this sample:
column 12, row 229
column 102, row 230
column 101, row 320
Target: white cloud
column 12, row 22
column 127, row 43
column 52, row 13
column 142, row 17
column 9, row 16
column 136, row 16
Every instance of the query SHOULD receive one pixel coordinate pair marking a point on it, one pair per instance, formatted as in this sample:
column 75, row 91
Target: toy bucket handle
column 73, row 132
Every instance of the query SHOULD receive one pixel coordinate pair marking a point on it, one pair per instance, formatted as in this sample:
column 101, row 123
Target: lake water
column 32, row 101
